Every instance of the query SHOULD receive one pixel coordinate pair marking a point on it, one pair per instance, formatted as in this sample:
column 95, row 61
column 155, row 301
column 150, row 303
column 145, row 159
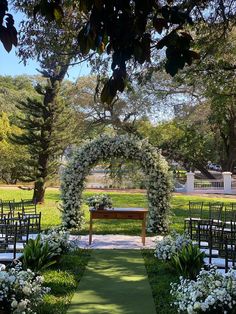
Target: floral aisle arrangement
column 58, row 240
column 152, row 162
column 44, row 251
column 21, row 291
column 99, row 201
column 170, row 245
column 212, row 292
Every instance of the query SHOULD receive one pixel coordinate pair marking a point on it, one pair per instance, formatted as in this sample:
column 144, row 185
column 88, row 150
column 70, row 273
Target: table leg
column 143, row 229
column 90, row 229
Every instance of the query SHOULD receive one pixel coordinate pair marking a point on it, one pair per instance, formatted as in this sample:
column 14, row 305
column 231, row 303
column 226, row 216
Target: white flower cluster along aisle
column 127, row 147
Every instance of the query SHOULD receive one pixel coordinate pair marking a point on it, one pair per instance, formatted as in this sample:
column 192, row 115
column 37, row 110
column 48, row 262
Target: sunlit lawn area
column 63, row 280
column 51, row 213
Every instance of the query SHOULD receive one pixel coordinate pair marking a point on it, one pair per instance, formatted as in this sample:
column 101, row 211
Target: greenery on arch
column 153, row 164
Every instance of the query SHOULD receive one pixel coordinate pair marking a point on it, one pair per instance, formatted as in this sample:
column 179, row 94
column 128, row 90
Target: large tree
column 47, row 131
column 186, row 139
column 122, row 114
column 13, row 90
column 132, row 30
column 55, row 49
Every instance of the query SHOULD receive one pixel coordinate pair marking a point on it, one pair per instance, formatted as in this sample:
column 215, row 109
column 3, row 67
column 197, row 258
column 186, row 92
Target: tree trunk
column 229, row 142
column 39, row 191
column 204, row 171
column 228, row 164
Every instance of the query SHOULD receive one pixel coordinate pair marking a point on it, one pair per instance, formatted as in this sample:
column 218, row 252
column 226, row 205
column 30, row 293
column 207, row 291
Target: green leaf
column 58, row 14
column 5, row 37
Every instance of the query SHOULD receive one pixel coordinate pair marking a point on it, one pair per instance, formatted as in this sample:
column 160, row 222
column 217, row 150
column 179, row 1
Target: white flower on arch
column 152, row 162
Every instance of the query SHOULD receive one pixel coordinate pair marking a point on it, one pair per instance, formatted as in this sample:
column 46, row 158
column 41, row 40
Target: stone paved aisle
column 115, row 241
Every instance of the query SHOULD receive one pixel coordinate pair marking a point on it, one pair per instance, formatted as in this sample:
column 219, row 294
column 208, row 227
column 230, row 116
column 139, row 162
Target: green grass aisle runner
column 114, row 282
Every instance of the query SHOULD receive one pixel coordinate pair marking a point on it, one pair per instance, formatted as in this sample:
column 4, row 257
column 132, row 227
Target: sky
column 10, row 64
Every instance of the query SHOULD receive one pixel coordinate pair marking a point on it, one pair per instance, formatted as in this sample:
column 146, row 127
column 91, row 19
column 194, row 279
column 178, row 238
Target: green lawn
column 116, row 282
column 160, row 278
column 51, row 213
column 63, row 280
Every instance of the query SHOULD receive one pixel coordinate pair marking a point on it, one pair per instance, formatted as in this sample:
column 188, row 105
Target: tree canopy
column 136, row 30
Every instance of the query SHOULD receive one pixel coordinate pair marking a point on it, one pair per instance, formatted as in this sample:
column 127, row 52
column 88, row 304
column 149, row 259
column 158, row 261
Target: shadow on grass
column 63, row 279
column 160, row 278
column 115, row 282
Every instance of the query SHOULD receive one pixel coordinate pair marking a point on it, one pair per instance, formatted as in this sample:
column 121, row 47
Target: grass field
column 63, row 279
column 51, row 213
column 160, row 278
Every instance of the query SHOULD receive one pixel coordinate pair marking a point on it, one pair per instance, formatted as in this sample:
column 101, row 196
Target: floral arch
column 152, row 162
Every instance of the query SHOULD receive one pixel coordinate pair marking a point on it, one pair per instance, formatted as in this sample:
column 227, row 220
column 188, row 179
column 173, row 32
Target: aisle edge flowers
column 210, row 292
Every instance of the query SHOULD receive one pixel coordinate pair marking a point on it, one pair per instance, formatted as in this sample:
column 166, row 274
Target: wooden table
column 119, row 213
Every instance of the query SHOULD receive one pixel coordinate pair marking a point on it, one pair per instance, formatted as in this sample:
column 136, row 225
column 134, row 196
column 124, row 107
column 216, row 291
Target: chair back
column 34, row 221
column 21, row 228
column 10, row 227
column 228, row 249
column 15, row 208
column 215, row 211
column 229, row 212
column 5, row 207
column 195, row 209
column 29, row 206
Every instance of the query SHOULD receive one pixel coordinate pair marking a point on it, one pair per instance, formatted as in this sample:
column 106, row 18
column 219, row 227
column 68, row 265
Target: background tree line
column 199, row 100
column 187, row 135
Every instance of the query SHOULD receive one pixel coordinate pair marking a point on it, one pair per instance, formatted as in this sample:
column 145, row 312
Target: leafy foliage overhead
column 129, row 30
column 8, row 33
column 136, row 29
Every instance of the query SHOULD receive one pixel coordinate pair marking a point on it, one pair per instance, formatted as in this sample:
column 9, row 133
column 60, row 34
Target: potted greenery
column 99, row 201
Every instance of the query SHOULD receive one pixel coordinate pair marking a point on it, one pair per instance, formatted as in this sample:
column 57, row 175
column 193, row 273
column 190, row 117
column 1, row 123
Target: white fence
column 208, row 184
column 224, row 185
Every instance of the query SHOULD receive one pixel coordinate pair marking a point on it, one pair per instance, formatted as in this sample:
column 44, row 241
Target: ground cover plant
column 22, row 291
column 51, row 213
column 211, row 292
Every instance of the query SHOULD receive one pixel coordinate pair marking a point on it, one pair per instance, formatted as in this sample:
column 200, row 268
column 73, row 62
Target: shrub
column 37, row 255
column 58, row 240
column 212, row 292
column 188, row 262
column 170, row 245
column 20, row 290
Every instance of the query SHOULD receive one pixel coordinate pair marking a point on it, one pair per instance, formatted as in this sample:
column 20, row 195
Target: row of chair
column 14, row 235
column 213, row 227
column 218, row 241
column 210, row 211
column 19, row 221
column 12, row 208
